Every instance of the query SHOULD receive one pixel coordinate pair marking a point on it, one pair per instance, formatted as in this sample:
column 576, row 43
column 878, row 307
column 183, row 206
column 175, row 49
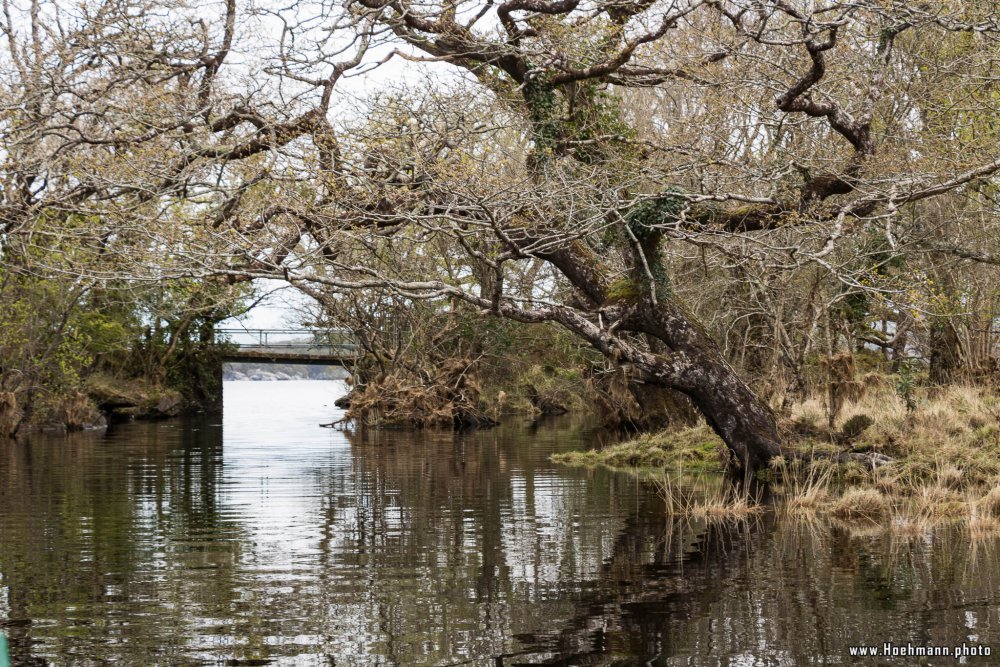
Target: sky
column 283, row 308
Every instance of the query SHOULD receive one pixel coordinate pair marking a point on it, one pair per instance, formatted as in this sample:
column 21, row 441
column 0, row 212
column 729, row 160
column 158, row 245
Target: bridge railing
column 333, row 342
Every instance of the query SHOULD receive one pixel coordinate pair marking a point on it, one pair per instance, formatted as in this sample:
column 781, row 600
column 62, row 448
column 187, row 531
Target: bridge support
column 199, row 380
column 214, row 400
column 270, row 346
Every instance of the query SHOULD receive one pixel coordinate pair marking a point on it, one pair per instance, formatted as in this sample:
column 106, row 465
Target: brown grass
column 864, row 504
column 736, row 505
column 805, row 489
column 705, row 497
column 989, row 504
column 945, row 462
column 982, row 527
column 450, row 398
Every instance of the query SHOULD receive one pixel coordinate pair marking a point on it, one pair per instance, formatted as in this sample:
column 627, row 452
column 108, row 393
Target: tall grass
column 706, row 496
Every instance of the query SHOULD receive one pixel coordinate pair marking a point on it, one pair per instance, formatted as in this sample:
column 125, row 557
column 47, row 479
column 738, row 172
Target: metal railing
column 332, row 342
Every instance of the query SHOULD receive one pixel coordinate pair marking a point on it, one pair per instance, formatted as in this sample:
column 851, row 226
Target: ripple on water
column 263, row 537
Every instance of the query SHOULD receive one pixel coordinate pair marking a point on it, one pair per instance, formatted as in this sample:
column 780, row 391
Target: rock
column 169, row 405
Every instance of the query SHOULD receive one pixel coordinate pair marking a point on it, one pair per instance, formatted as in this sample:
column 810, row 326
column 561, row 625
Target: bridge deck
column 302, row 346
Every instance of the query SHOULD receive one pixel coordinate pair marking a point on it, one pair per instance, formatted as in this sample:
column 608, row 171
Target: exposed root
column 10, row 414
column 77, row 411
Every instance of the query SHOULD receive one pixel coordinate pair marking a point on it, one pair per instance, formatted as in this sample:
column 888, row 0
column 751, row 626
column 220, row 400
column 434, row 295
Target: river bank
column 886, row 461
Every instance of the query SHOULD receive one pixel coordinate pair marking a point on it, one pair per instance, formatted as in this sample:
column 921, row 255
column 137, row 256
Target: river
column 264, row 539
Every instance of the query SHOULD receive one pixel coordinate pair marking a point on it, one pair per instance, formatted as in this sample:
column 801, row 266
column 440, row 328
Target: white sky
column 284, row 308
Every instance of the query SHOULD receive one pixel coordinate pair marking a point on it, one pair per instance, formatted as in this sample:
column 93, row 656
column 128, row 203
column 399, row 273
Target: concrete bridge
column 330, row 347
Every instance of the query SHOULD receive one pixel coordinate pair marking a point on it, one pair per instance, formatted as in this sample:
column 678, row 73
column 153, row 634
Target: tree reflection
column 93, row 528
column 162, row 544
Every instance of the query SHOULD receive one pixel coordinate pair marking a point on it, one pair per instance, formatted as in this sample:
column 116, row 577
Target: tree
column 609, row 141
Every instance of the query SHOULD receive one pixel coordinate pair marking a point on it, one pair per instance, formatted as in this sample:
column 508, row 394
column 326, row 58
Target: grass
column 696, row 449
column 807, row 490
column 729, row 503
column 864, row 504
column 710, row 497
column 952, row 438
column 945, row 464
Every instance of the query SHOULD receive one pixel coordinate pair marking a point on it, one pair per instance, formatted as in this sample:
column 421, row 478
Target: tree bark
column 694, row 364
column 744, row 422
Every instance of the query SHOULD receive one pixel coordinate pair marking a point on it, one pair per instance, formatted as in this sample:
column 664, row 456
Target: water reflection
column 268, row 540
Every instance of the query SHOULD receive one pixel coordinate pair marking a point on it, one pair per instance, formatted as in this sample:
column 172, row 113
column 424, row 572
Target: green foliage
column 659, row 210
column 645, row 222
column 43, row 349
column 105, row 334
column 197, row 375
column 906, row 383
column 543, row 111
column 55, row 333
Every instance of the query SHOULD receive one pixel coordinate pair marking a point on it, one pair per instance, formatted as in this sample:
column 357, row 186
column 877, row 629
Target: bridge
column 331, row 347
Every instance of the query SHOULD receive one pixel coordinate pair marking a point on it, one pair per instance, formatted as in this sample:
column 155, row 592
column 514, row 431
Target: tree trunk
column 945, row 353
column 744, row 422
column 693, row 363
column 946, row 349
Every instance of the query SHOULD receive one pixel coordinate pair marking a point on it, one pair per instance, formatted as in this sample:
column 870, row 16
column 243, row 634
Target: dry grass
column 738, row 505
column 907, row 526
column 447, row 399
column 945, row 463
column 989, row 504
column 952, row 439
column 704, row 497
column 938, row 502
column 983, row 514
column 864, row 504
column 946, row 459
column 982, row 527
column 805, row 490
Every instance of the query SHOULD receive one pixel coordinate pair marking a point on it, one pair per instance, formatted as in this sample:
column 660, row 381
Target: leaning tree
column 588, row 144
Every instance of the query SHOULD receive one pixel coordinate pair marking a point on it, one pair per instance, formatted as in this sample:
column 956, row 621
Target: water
column 267, row 540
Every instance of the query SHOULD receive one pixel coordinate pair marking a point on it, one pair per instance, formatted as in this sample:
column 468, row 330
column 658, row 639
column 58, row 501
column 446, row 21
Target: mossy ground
column 135, row 397
column 695, row 449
